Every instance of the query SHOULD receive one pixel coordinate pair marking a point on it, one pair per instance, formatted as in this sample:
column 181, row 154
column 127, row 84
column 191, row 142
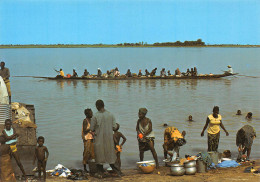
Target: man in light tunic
column 5, row 74
column 102, row 124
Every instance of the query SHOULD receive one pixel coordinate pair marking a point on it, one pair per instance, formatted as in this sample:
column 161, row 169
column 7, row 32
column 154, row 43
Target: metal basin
column 190, row 170
column 191, row 163
column 177, row 170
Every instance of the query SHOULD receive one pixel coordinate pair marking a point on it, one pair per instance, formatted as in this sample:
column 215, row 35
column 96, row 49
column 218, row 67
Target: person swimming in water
column 238, row 112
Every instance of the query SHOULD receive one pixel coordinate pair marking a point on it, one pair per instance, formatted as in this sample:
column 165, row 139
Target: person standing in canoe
column 214, row 121
column 145, row 135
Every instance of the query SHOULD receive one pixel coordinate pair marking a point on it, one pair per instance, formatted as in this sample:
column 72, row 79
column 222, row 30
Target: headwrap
column 143, row 111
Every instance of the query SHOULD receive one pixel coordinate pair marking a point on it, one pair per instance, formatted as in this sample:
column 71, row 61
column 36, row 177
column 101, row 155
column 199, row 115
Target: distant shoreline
column 116, row 46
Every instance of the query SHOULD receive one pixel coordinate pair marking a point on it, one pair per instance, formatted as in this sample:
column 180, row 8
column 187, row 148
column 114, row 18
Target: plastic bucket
column 215, row 156
column 201, row 166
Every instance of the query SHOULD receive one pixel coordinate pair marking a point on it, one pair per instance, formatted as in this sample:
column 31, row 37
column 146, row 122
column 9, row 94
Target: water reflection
column 192, row 83
column 85, row 83
column 75, row 83
column 227, row 82
column 60, row 84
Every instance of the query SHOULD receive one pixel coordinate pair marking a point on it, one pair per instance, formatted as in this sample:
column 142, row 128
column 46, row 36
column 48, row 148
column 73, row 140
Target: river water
column 60, row 104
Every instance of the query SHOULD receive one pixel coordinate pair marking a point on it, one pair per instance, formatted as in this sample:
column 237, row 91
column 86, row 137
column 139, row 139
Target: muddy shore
column 163, row 174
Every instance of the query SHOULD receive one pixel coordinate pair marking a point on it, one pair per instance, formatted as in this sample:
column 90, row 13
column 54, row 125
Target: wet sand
column 222, row 174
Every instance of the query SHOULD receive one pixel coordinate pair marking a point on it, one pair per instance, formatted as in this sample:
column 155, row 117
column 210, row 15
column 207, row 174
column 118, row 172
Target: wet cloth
column 88, row 152
column 230, row 163
column 103, row 124
column 214, row 124
column 213, row 141
column 7, row 173
column 144, row 142
column 10, row 133
column 144, row 129
column 245, row 136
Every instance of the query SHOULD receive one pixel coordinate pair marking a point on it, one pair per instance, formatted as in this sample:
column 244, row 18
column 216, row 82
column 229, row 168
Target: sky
column 121, row 21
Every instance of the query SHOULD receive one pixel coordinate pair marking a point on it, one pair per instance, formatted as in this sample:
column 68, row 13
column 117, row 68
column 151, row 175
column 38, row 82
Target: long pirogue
column 211, row 76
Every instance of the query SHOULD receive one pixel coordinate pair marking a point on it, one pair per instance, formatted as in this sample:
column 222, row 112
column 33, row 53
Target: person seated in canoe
column 249, row 116
column 99, row 72
column 153, row 72
column 173, row 139
column 188, row 73
column 86, row 73
column 163, row 73
column 61, row 74
column 147, row 72
column 128, row 73
column 169, row 73
column 116, row 73
column 192, row 72
column 238, row 112
column 145, row 135
column 74, row 74
column 229, row 71
column 244, row 140
column 140, row 73
column 195, row 71
column 177, row 72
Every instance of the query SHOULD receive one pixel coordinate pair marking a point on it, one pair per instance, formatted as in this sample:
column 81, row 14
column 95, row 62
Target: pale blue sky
column 119, row 21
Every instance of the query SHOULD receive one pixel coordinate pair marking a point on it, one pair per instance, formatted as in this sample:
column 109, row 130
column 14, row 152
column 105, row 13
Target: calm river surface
column 60, row 104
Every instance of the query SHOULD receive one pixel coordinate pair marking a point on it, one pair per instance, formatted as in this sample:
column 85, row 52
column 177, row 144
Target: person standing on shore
column 5, row 74
column 87, row 136
column 214, row 121
column 244, row 140
column 6, row 168
column 117, row 136
column 145, row 135
column 10, row 136
column 102, row 124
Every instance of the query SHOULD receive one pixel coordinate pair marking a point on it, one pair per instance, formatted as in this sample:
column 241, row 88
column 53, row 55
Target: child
column 40, row 151
column 7, row 173
column 10, row 136
column 117, row 136
column 87, row 136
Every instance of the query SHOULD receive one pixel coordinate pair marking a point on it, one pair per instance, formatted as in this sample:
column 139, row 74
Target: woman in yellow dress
column 214, row 121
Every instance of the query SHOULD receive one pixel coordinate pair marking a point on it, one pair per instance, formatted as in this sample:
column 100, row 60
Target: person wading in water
column 145, row 135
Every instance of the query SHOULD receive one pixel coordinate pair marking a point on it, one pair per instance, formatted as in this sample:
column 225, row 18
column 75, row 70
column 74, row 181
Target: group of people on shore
column 101, row 144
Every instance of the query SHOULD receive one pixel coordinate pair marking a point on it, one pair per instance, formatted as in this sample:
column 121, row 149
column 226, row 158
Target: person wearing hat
column 230, row 70
column 5, row 74
column 145, row 135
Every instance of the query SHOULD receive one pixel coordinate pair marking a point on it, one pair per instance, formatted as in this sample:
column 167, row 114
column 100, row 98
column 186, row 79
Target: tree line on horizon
column 198, row 42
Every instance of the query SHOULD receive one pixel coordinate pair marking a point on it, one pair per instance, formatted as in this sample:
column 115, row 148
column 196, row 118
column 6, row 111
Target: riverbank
column 163, row 174
column 114, row 46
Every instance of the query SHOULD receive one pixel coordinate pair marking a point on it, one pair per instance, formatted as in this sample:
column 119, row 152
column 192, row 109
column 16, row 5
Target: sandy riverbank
column 222, row 174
